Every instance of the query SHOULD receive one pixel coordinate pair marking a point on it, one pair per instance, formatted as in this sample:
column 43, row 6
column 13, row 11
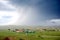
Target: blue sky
column 35, row 12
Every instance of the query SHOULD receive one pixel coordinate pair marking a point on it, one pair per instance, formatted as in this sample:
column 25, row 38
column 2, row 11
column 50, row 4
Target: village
column 33, row 30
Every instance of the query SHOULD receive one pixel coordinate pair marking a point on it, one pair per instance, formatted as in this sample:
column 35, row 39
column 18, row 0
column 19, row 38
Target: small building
column 19, row 30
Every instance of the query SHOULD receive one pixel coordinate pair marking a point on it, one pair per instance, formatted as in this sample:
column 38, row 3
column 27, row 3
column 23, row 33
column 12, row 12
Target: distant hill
column 24, row 26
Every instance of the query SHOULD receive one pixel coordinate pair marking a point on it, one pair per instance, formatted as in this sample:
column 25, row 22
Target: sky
column 30, row 12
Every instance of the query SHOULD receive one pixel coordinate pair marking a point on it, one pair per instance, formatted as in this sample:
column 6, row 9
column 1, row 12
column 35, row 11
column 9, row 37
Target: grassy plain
column 38, row 35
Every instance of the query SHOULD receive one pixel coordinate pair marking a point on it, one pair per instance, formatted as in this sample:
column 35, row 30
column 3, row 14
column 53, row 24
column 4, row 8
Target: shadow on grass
column 7, row 38
column 58, row 38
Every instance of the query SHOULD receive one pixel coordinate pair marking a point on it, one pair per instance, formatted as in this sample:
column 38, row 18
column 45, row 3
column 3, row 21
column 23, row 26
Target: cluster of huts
column 33, row 31
column 24, row 30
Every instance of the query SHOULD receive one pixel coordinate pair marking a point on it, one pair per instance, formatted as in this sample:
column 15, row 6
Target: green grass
column 31, row 36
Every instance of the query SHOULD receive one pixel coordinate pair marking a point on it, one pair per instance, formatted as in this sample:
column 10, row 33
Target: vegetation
column 37, row 35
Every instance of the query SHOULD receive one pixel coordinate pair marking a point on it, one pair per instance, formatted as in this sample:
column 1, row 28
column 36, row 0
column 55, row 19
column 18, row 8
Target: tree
column 9, row 29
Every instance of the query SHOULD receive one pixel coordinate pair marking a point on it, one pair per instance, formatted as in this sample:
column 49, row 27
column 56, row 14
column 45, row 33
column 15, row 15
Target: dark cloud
column 44, row 5
column 46, row 9
column 26, row 2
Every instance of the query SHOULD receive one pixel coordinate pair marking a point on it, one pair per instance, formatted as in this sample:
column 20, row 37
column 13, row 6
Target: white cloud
column 4, row 5
column 12, row 17
column 53, row 22
column 5, row 13
column 3, row 0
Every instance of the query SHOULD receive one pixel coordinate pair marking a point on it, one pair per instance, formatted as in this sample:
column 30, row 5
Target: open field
column 38, row 35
